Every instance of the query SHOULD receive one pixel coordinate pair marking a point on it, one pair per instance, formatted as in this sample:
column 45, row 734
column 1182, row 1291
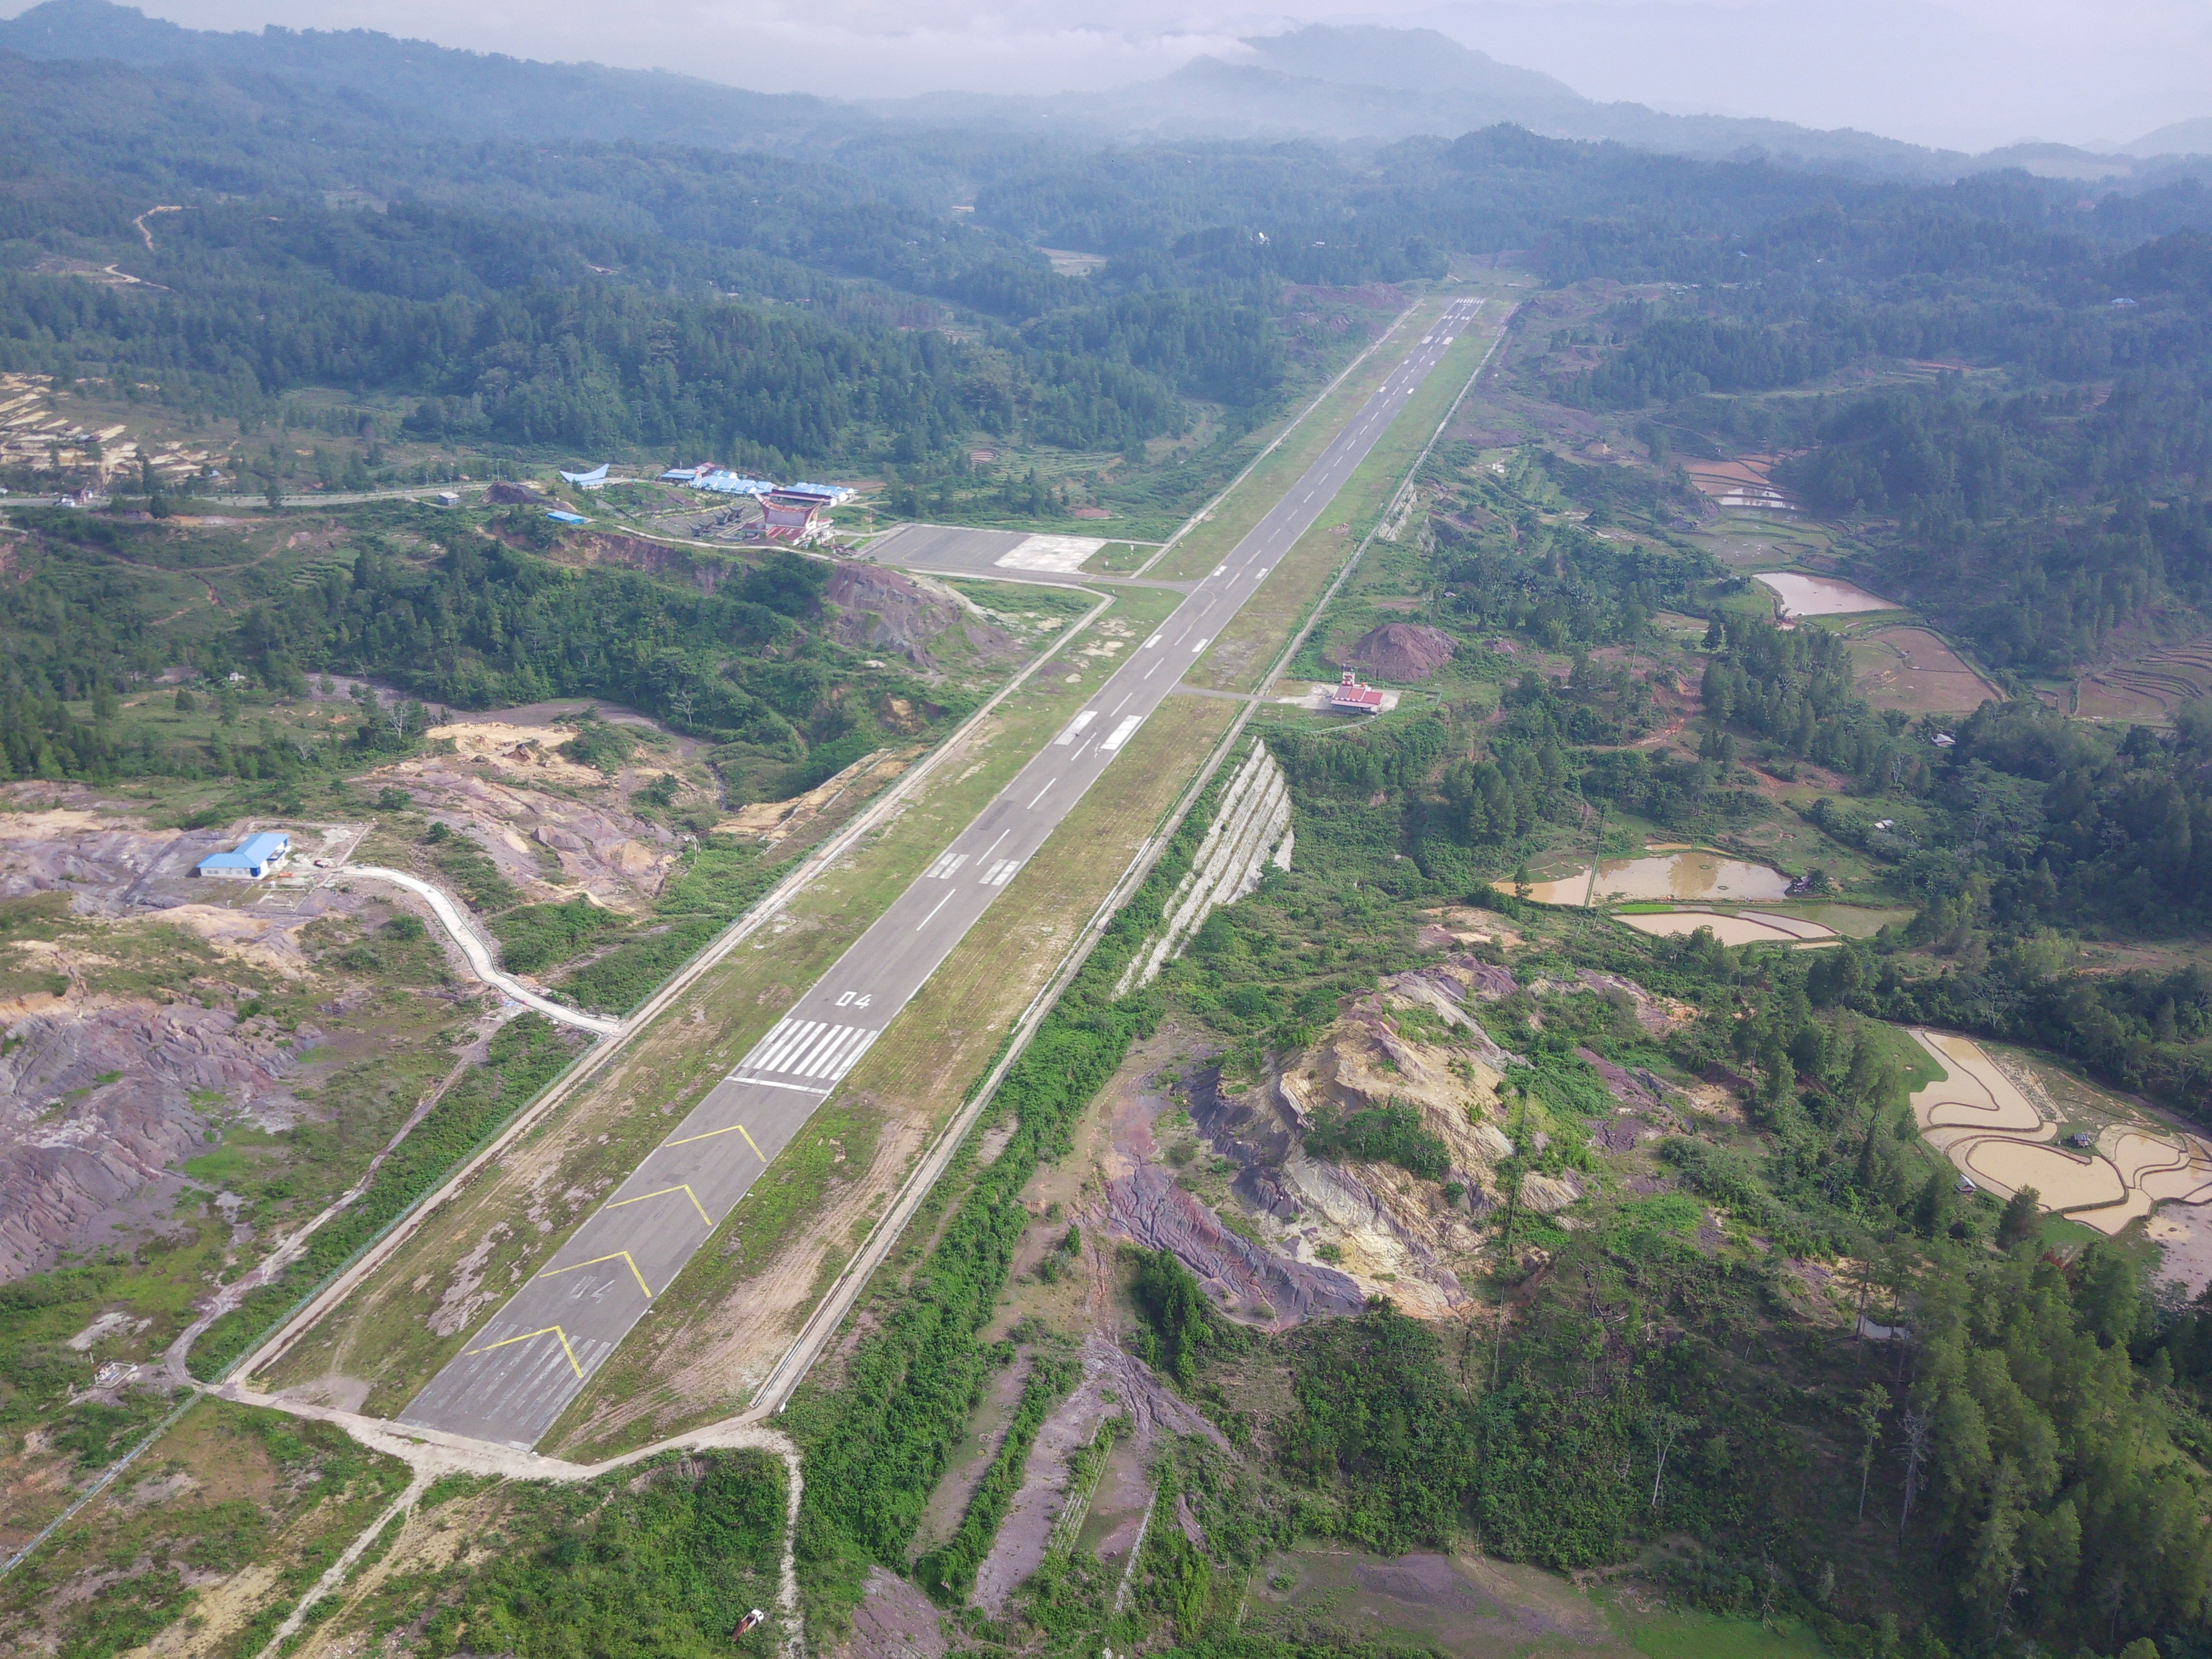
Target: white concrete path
column 479, row 954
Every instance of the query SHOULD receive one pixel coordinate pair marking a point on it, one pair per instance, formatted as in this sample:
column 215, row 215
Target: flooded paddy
column 1999, row 1123
column 1730, row 930
column 1686, row 875
column 1819, row 596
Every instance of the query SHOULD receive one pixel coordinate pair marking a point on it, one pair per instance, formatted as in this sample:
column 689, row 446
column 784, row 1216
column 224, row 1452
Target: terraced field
column 2148, row 687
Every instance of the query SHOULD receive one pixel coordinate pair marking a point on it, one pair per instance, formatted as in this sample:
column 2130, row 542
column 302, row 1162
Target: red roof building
column 794, row 515
column 1350, row 696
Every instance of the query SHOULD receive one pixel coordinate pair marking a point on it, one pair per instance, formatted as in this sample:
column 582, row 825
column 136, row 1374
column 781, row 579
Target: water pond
column 1820, row 596
column 1691, row 875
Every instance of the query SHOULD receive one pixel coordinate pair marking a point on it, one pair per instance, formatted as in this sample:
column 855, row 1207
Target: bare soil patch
column 1912, row 668
column 1400, row 651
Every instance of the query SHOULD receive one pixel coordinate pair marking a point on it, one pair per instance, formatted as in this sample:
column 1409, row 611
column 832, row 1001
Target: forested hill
column 1362, row 83
column 831, row 307
column 486, row 94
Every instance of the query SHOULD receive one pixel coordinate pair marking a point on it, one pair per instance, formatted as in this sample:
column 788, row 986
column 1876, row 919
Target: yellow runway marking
column 550, row 1330
column 612, row 1255
column 664, row 1192
column 734, row 1129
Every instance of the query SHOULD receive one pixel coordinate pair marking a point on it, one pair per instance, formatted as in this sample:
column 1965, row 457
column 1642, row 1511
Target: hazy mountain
column 1419, row 60
column 2182, row 139
column 477, row 92
column 1337, row 83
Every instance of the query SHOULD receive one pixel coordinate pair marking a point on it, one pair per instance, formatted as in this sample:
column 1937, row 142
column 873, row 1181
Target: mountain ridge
column 1350, row 83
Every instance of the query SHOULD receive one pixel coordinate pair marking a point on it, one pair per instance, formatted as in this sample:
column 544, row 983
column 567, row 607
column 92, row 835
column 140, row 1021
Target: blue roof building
column 559, row 517
column 251, row 860
column 729, row 484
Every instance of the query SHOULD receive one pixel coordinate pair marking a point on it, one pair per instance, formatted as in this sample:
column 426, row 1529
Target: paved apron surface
column 523, row 1368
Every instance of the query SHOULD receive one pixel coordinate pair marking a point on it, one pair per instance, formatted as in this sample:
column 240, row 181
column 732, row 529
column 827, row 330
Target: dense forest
column 487, row 621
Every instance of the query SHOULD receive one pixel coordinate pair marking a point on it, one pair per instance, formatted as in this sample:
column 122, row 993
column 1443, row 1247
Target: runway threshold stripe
column 833, row 1065
column 775, row 1033
column 818, row 1062
column 797, row 1065
column 854, row 1059
column 772, row 1060
column 780, row 1061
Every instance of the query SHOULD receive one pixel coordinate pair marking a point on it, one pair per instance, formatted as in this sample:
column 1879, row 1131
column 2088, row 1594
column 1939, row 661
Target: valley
column 879, row 882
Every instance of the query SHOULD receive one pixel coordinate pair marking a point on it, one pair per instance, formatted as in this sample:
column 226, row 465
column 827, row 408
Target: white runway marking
column 943, row 870
column 1076, row 726
column 811, row 1048
column 1041, row 794
column 1001, row 872
column 1203, row 640
column 1063, row 555
column 931, row 916
column 1120, row 734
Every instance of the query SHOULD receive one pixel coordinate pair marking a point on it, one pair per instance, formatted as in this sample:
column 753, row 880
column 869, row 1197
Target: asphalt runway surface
column 520, row 1371
column 958, row 550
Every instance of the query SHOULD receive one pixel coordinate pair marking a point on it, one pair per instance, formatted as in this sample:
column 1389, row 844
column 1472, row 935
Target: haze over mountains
column 1343, row 83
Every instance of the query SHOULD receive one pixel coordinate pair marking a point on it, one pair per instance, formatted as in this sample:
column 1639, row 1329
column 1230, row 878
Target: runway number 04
column 852, row 999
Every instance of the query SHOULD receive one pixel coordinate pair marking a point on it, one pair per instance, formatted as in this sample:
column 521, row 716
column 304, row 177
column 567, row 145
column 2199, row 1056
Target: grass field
column 1912, row 669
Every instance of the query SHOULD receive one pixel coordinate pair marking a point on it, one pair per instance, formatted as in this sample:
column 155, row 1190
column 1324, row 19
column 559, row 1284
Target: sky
column 1963, row 74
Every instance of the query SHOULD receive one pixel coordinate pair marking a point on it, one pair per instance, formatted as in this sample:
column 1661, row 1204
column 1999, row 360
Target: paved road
column 520, row 1371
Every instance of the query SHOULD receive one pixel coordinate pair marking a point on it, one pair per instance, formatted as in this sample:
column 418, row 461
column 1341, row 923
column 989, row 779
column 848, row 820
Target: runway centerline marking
column 549, row 1330
column 683, row 1188
column 931, row 916
column 622, row 1257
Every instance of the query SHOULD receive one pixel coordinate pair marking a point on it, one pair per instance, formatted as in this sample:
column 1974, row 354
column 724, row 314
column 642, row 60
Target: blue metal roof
column 251, row 854
column 568, row 518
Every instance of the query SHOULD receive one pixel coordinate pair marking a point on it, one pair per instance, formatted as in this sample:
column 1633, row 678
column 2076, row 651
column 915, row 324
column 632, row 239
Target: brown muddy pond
column 1820, row 596
column 1693, row 875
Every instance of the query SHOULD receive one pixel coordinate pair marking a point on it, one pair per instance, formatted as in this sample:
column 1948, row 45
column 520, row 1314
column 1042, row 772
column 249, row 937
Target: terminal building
column 1350, row 696
column 251, row 860
column 795, row 515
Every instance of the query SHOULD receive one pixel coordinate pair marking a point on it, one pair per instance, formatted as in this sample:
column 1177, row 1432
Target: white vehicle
column 750, row 1621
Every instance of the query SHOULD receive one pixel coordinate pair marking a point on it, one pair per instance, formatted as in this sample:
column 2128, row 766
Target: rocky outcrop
column 1152, row 1210
column 97, row 1097
column 888, row 611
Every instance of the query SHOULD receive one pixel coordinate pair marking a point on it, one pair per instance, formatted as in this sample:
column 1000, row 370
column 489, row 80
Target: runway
column 520, row 1371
